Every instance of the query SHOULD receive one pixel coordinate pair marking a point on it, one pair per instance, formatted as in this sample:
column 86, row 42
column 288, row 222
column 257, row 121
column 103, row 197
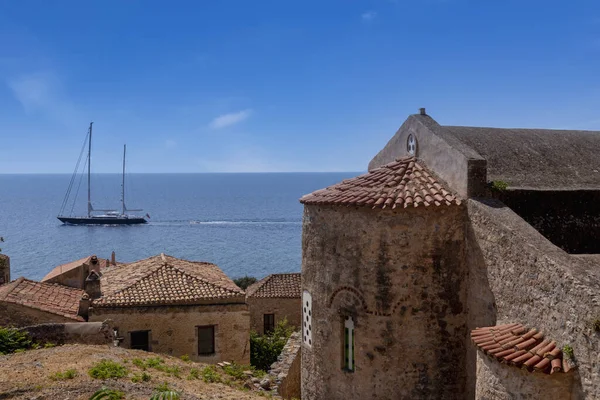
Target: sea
column 246, row 223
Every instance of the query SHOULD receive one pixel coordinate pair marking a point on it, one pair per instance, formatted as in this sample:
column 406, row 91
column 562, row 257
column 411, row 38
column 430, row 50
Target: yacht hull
column 102, row 220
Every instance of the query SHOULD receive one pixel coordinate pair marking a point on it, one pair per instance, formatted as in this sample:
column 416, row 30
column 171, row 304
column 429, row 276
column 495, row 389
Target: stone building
column 4, row 269
column 453, row 229
column 173, row 306
column 272, row 299
column 74, row 274
column 24, row 302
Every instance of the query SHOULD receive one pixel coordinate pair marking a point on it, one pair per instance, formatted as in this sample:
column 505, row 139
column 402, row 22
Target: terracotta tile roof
column 61, row 269
column 277, row 286
column 165, row 280
column 403, row 183
column 49, row 297
column 519, row 346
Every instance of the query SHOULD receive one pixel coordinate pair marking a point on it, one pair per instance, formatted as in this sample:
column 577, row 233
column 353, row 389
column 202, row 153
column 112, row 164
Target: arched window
column 349, row 344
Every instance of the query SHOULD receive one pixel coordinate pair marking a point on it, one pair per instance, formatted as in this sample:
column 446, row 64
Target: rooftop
column 165, row 280
column 61, row 269
column 515, row 345
column 402, row 183
column 277, row 286
column 49, row 297
column 540, row 159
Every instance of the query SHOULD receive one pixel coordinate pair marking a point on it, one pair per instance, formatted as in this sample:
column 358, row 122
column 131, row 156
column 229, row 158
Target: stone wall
column 74, row 278
column 69, row 333
column 401, row 276
column 16, row 315
column 282, row 308
column 497, row 381
column 286, row 371
column 173, row 329
column 517, row 275
column 4, row 269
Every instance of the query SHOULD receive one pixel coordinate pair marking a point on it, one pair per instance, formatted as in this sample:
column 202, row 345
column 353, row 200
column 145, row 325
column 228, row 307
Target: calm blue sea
column 245, row 223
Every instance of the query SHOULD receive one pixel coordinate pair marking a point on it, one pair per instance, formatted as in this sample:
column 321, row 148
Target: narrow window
column 206, row 340
column 349, row 344
column 307, row 318
column 268, row 323
column 140, row 340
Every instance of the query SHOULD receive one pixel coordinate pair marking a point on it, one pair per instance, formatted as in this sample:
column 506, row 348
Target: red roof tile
column 277, row 286
column 49, row 297
column 513, row 344
column 402, row 183
column 165, row 280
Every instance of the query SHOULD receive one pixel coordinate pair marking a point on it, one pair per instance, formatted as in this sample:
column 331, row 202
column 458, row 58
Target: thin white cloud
column 368, row 16
column 230, row 119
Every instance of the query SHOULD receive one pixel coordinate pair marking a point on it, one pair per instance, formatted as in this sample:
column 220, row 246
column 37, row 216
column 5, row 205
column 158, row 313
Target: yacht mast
column 89, row 172
column 123, row 184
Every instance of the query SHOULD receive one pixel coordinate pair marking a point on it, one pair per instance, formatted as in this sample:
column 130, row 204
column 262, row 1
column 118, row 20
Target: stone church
column 464, row 264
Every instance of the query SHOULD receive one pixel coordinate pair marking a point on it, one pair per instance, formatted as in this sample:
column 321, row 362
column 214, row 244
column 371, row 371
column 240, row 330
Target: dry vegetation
column 65, row 372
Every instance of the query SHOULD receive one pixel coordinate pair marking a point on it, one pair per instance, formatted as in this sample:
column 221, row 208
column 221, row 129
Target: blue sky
column 227, row 86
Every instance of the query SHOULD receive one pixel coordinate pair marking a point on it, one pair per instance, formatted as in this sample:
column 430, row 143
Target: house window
column 349, row 344
column 411, row 144
column 206, row 340
column 268, row 323
column 140, row 340
column 307, row 318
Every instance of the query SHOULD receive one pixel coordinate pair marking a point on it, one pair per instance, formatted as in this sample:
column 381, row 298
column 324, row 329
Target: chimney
column 84, row 306
column 422, row 111
column 113, row 259
column 92, row 285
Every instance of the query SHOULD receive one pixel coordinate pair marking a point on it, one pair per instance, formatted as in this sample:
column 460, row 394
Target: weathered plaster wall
column 69, row 333
column 402, row 278
column 569, row 219
column 282, row 308
column 74, row 278
column 4, row 269
column 460, row 166
column 173, row 329
column 503, row 382
column 18, row 316
column 537, row 284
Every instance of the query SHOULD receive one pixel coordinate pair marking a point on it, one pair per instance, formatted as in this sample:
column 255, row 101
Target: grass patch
column 498, row 186
column 210, row 374
column 158, row 364
column 164, row 392
column 235, row 371
column 143, row 377
column 194, row 374
column 567, row 351
column 63, row 376
column 107, row 369
column 185, row 358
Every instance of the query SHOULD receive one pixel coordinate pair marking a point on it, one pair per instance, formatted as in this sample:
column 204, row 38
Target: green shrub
column 244, row 281
column 107, row 394
column 210, row 374
column 264, row 349
column 164, row 392
column 62, row 376
column 154, row 362
column 138, row 362
column 194, row 374
column 143, row 377
column 568, row 351
column 234, row 370
column 185, row 358
column 498, row 186
column 12, row 340
column 107, row 369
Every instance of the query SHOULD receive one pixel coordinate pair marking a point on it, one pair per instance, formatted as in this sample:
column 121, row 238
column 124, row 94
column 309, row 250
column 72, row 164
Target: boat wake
column 227, row 222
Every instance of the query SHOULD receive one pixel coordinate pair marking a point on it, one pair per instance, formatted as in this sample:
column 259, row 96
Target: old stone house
column 454, row 230
column 169, row 305
column 272, row 299
column 75, row 273
column 24, row 302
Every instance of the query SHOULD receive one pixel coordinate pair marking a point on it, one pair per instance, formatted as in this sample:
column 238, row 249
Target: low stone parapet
column 286, row 370
column 70, row 333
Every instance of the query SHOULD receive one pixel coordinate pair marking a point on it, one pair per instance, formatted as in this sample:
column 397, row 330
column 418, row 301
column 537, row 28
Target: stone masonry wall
column 17, row 316
column 173, row 329
column 517, row 275
column 69, row 333
column 286, row 370
column 282, row 308
column 401, row 276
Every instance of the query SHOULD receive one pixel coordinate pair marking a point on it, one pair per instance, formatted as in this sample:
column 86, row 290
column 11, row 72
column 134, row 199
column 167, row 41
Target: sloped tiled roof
column 165, row 280
column 49, row 297
column 277, row 286
column 402, row 183
column 61, row 269
column 513, row 344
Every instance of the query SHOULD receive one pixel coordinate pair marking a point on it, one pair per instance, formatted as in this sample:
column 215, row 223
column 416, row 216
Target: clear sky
column 283, row 85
